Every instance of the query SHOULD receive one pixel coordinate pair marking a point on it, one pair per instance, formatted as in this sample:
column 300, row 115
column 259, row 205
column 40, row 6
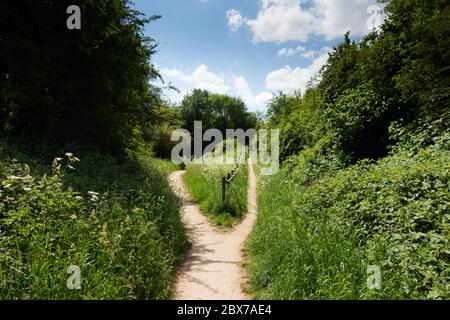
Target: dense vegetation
column 89, row 85
column 365, row 175
column 365, row 162
column 91, row 92
column 118, row 221
column 112, row 213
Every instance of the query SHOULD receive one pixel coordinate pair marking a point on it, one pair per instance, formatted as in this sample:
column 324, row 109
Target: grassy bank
column 117, row 220
column 205, row 184
column 329, row 224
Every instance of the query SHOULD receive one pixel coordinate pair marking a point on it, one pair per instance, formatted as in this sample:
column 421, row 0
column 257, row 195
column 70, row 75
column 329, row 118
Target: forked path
column 212, row 269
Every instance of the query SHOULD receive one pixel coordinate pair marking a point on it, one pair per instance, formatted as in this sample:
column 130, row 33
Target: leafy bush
column 205, row 185
column 393, row 213
column 357, row 121
column 118, row 221
column 430, row 130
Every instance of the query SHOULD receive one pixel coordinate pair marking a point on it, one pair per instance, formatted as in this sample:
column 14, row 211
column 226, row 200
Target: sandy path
column 212, row 269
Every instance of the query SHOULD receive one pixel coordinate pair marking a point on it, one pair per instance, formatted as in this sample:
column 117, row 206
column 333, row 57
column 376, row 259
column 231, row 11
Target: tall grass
column 117, row 220
column 205, row 184
column 315, row 237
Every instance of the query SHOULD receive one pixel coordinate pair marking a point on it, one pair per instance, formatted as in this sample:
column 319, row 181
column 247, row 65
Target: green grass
column 205, row 184
column 320, row 227
column 166, row 165
column 118, row 220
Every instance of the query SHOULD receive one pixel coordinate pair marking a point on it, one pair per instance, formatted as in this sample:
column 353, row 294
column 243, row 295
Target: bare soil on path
column 212, row 269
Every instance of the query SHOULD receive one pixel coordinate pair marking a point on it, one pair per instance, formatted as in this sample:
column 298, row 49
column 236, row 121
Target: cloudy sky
column 250, row 48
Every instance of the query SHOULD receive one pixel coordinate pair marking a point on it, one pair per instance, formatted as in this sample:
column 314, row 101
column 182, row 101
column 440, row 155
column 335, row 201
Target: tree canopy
column 215, row 111
column 89, row 85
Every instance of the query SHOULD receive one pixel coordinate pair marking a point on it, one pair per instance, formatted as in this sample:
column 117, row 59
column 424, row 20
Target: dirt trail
column 212, row 269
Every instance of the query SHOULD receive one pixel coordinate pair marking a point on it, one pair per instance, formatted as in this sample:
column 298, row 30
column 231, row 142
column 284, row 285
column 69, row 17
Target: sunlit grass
column 205, row 184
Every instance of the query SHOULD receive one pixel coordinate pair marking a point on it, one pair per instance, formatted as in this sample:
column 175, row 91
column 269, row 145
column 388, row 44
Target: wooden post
column 224, row 186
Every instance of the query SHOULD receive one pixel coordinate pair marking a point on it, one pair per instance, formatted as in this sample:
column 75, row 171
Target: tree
column 215, row 111
column 85, row 86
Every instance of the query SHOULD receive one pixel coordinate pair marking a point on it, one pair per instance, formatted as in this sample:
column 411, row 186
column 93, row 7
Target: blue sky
column 250, row 48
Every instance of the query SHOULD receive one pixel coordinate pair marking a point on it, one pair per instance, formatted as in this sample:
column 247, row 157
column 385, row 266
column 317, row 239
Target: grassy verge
column 205, row 184
column 324, row 233
column 117, row 220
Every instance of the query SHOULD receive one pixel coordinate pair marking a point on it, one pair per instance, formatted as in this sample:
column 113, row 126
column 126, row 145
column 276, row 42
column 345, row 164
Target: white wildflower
column 94, row 196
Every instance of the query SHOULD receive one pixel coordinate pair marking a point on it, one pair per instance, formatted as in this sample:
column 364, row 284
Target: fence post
column 226, row 181
column 224, row 186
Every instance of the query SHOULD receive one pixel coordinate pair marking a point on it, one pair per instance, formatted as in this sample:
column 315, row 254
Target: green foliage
column 339, row 74
column 205, row 184
column 215, row 111
column 422, row 30
column 431, row 130
column 159, row 133
column 383, row 99
column 88, row 91
column 325, row 232
column 85, row 86
column 297, row 118
column 398, row 75
column 356, row 121
column 118, row 221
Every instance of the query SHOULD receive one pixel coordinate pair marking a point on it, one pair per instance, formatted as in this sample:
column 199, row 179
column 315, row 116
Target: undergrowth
column 117, row 220
column 320, row 226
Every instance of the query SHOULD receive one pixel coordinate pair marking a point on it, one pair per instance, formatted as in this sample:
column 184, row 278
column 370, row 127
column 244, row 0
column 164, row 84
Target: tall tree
column 89, row 85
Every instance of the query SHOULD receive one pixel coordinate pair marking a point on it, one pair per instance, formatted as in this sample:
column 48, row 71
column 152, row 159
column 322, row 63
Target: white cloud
column 308, row 54
column 300, row 50
column 253, row 102
column 290, row 79
column 235, row 20
column 200, row 78
column 298, row 20
column 286, row 79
